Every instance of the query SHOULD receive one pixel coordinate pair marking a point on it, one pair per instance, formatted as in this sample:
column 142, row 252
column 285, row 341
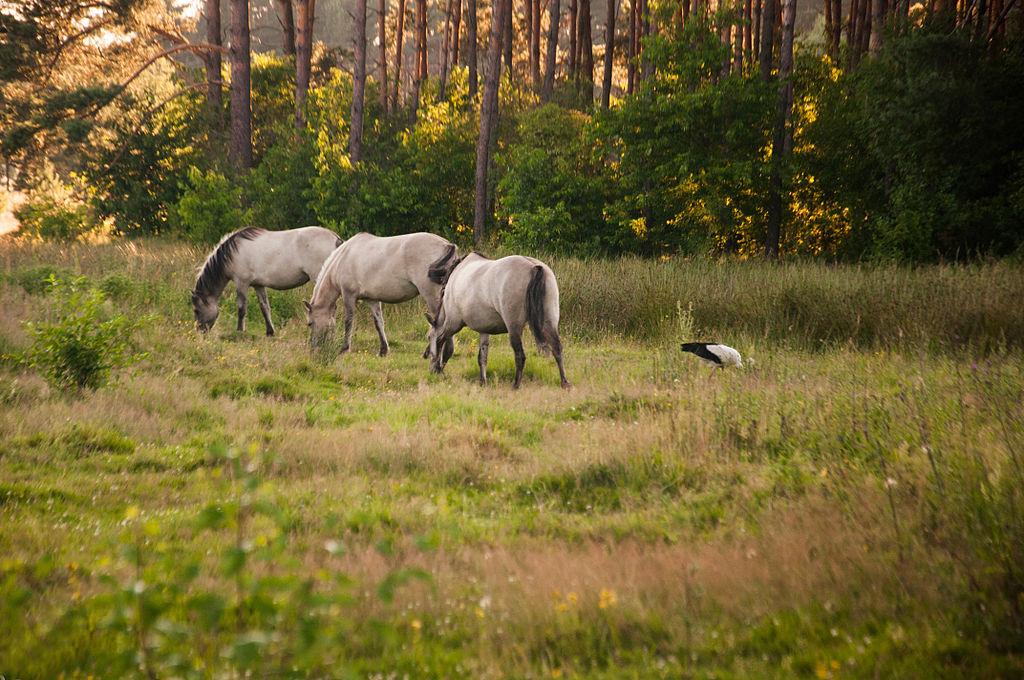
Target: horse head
column 206, row 308
column 322, row 323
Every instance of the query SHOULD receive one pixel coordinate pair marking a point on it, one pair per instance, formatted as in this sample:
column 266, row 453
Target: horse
column 493, row 297
column 261, row 259
column 376, row 269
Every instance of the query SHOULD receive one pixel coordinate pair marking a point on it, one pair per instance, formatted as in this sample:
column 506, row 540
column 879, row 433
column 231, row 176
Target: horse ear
column 309, row 307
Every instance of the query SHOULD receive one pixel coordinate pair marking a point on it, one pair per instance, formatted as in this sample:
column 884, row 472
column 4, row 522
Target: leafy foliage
column 85, row 343
column 209, row 207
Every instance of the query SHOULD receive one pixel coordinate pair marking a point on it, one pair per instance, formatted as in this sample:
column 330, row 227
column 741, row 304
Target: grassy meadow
column 848, row 505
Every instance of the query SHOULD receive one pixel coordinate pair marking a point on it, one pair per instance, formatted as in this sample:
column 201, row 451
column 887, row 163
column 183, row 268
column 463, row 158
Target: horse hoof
column 384, row 352
column 566, row 385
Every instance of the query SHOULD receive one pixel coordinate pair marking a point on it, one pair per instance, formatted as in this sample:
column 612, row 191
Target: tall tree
column 456, row 37
column 586, row 47
column 421, row 54
column 355, row 129
column 609, row 52
column 382, row 38
column 573, row 36
column 471, row 46
column 506, row 40
column 241, row 71
column 305, row 13
column 782, row 136
column 748, row 19
column 399, row 35
column 554, row 19
column 446, row 46
column 767, row 46
column 285, row 17
column 488, row 118
column 535, row 47
column 880, row 9
column 631, row 51
column 212, row 58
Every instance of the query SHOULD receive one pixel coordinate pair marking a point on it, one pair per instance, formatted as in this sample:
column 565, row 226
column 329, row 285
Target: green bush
column 209, row 207
column 551, row 193
column 280, row 188
column 52, row 211
column 39, row 280
column 84, row 344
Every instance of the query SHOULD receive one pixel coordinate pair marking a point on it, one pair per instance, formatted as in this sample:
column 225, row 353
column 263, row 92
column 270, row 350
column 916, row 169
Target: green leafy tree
column 209, row 208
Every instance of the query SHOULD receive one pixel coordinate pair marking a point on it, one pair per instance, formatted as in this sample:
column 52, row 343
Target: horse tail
column 535, row 313
column 439, row 270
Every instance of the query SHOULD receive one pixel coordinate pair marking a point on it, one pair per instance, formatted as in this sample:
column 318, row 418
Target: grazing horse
column 376, row 269
column 498, row 296
column 261, row 259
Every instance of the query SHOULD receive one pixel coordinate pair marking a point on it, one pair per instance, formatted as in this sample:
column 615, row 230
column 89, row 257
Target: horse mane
column 437, row 271
column 213, row 274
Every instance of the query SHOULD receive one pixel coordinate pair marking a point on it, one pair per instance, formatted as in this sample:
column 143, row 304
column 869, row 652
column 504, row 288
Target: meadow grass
column 849, row 505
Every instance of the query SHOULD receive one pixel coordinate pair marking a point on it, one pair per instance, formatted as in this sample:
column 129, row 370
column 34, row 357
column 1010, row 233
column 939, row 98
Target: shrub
column 84, row 344
column 279, row 189
column 52, row 211
column 38, row 280
column 209, row 207
column 551, row 193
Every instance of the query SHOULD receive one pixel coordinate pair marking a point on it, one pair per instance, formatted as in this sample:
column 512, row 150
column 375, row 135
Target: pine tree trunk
column 488, row 115
column 241, row 73
column 535, row 63
column 421, row 54
column 782, row 141
column 878, row 23
column 725, row 35
column 506, row 40
column 399, row 36
column 644, row 31
column 550, row 59
column 471, row 47
column 755, row 26
column 609, row 54
column 573, row 34
column 355, row 136
column 446, row 47
column 767, row 33
column 305, row 11
column 586, row 42
column 382, row 37
column 528, row 4
column 631, row 49
column 456, row 35
column 748, row 19
column 213, row 60
column 286, row 17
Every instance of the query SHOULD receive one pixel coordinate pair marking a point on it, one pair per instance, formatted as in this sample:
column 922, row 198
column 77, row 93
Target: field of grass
column 851, row 504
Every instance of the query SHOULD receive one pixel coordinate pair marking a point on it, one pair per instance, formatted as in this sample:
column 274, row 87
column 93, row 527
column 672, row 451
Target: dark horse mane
column 439, row 269
column 214, row 271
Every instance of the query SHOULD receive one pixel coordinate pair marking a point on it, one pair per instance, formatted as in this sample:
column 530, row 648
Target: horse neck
column 325, row 291
column 216, row 286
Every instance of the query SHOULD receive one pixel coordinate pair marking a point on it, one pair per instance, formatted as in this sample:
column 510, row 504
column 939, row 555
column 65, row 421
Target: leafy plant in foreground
column 85, row 343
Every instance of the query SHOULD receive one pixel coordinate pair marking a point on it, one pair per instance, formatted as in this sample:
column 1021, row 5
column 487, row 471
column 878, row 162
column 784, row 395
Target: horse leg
column 378, row 321
column 350, row 313
column 515, row 337
column 242, row 293
column 556, row 348
column 481, row 356
column 261, row 297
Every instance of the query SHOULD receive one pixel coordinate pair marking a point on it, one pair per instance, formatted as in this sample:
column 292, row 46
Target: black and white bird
column 719, row 356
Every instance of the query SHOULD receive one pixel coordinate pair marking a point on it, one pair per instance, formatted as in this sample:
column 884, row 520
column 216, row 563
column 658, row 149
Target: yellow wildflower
column 607, row 599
